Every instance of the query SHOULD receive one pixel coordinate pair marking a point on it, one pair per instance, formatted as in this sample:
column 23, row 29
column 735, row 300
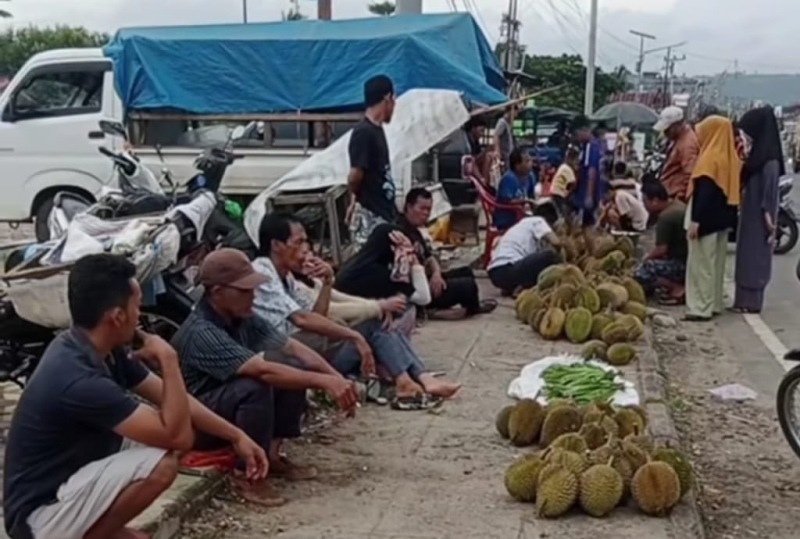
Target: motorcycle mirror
column 113, row 128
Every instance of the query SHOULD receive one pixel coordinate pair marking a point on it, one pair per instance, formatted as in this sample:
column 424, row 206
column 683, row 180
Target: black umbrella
column 626, row 113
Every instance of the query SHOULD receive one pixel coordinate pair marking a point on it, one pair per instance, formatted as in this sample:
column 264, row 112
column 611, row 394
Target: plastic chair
column 489, row 204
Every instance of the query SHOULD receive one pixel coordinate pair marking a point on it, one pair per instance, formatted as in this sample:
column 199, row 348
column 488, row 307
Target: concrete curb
column 187, row 496
column 685, row 519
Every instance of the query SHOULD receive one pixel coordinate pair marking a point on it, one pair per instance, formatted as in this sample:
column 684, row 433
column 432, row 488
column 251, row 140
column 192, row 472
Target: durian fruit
column 556, row 492
column 603, row 246
column 524, row 422
column 606, row 422
column 520, row 301
column 560, row 420
column 613, row 261
column 639, row 410
column 635, row 290
column 536, row 320
column 596, row 410
column 573, row 275
column 521, row 478
column 531, row 302
column 549, row 277
column 594, row 435
column 681, row 465
column 501, row 421
column 625, row 245
column 594, row 350
column 634, row 325
column 612, row 295
column 642, row 441
column 614, row 333
column 635, row 456
column 572, row 441
column 620, row 354
column 601, row 490
column 599, row 323
column 552, row 325
column 578, row 325
column 572, row 461
column 564, row 294
column 603, row 453
column 588, row 298
column 629, row 422
column 656, row 488
column 587, row 264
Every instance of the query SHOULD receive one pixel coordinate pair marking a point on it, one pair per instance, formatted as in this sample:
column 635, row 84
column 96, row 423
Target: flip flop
column 415, row 403
column 374, row 392
column 696, row 318
column 487, row 306
column 671, row 301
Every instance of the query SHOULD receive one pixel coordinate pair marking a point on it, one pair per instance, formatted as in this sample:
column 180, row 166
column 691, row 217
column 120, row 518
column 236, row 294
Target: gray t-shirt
column 503, row 132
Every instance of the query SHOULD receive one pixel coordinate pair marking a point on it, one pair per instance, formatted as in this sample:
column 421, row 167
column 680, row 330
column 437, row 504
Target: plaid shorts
column 649, row 271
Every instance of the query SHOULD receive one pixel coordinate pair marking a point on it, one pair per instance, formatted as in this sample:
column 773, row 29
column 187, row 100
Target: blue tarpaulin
column 300, row 65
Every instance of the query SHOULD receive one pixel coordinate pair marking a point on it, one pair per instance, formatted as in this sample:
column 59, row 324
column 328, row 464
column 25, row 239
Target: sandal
column 375, row 393
column 417, row 402
column 487, row 306
column 739, row 310
column 696, row 318
column 667, row 300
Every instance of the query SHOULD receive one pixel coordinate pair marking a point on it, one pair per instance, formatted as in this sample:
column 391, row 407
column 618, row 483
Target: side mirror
column 113, row 128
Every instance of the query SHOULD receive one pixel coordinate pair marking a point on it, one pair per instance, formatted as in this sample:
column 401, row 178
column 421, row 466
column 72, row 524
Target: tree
column 383, row 9
column 5, row 14
column 17, row 46
column 568, row 69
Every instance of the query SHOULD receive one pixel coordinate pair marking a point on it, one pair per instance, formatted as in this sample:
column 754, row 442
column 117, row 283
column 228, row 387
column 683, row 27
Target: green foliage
column 18, row 45
column 383, row 9
column 568, row 69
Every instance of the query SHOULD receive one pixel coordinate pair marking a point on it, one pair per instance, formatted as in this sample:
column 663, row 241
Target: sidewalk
column 388, row 474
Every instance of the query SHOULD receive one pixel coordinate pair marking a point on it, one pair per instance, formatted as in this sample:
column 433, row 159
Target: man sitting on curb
column 283, row 249
column 450, row 288
column 83, row 457
column 524, row 251
column 227, row 358
column 665, row 266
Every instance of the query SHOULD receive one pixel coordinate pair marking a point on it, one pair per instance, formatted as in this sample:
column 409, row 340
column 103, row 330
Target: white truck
column 49, row 138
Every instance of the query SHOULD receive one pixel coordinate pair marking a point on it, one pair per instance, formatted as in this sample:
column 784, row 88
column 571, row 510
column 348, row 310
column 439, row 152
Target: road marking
column 770, row 340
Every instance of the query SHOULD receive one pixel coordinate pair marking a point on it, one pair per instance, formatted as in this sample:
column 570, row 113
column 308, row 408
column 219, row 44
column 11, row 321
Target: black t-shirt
column 420, row 245
column 369, row 152
column 64, row 420
column 368, row 273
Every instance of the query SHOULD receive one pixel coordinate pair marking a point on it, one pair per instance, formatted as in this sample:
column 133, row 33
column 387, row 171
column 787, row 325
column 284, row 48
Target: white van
column 49, row 138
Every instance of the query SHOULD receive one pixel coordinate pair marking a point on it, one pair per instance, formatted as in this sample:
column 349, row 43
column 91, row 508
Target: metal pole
column 588, row 100
column 640, row 64
column 244, row 11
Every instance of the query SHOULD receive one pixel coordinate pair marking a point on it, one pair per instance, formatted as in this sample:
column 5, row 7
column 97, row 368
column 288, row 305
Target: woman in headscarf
column 713, row 193
column 755, row 237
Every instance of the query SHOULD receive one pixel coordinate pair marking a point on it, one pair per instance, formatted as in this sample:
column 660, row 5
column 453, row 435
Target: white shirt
column 628, row 204
column 522, row 239
column 276, row 301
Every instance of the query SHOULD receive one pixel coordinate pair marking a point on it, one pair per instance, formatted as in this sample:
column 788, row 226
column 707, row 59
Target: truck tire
column 40, row 219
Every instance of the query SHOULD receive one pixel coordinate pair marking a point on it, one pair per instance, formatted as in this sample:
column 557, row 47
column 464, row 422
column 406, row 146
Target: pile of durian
column 590, row 299
column 595, row 457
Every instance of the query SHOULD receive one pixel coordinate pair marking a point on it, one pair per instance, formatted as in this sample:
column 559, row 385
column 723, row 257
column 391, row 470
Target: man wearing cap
column 230, row 361
column 370, row 179
column 682, row 153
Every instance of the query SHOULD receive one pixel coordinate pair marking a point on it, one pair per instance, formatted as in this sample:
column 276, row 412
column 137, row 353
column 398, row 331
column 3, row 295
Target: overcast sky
column 761, row 35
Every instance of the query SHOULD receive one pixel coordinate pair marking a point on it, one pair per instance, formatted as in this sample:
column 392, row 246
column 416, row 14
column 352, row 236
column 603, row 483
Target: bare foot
column 438, row 388
column 259, row 493
column 404, row 386
column 286, row 469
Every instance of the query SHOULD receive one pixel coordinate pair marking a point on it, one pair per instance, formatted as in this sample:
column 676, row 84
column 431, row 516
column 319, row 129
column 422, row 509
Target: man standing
column 682, row 154
column 84, row 458
column 448, row 288
column 371, row 184
column 504, row 136
column 665, row 266
column 588, row 194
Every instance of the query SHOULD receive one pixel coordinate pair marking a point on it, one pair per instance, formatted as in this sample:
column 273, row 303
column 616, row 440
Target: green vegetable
column 580, row 382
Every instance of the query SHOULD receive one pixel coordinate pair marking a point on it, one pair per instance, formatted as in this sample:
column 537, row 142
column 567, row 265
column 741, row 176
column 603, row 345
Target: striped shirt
column 211, row 353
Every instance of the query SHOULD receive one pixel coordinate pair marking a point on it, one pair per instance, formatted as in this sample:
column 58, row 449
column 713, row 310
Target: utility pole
column 640, row 64
column 324, row 10
column 588, row 100
column 510, row 29
column 244, row 11
column 669, row 68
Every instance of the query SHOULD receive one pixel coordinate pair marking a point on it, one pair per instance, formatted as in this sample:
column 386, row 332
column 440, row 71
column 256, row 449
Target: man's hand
column 438, row 284
column 154, row 349
column 400, row 239
column 394, row 305
column 693, row 232
column 344, row 392
column 367, row 359
column 317, row 268
column 254, row 457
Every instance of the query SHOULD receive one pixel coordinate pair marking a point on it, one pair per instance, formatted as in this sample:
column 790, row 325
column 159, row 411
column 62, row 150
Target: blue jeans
column 392, row 351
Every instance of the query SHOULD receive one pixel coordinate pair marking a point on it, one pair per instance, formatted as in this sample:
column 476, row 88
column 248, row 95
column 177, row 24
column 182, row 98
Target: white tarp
column 422, row 118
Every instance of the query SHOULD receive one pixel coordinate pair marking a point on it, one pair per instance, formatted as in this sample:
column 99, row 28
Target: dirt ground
column 750, row 478
column 410, row 475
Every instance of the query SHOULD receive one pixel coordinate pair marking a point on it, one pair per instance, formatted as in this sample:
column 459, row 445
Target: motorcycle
column 787, row 232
